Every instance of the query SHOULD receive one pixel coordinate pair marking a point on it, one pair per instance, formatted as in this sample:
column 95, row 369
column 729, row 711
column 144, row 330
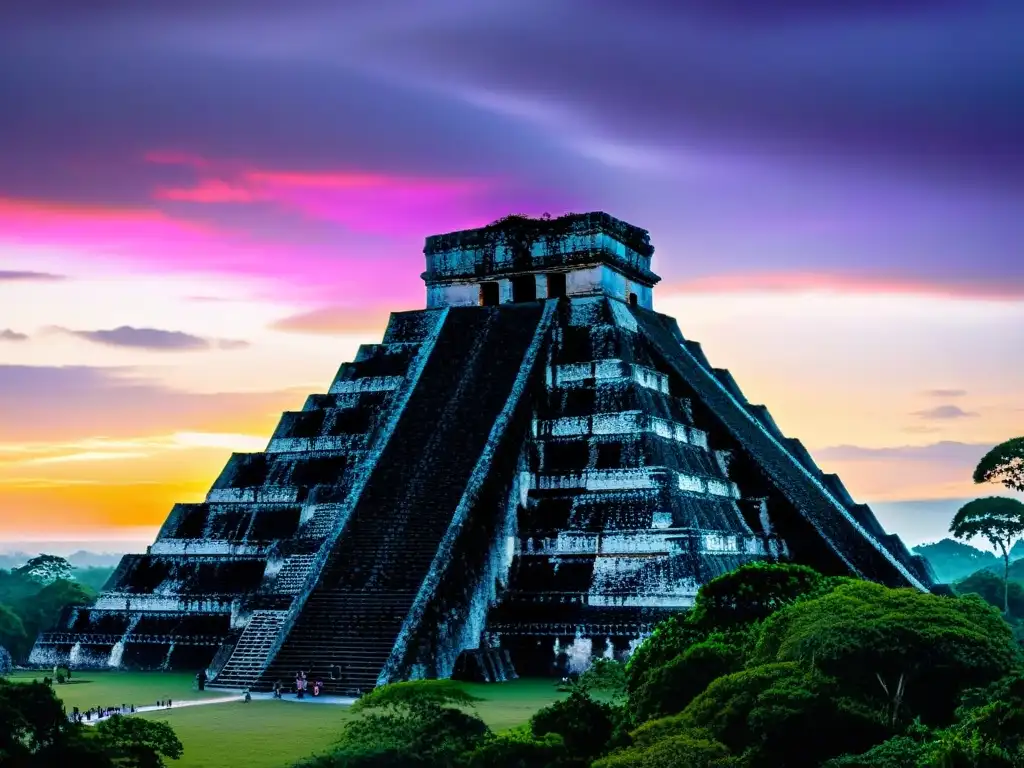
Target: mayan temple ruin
column 529, row 473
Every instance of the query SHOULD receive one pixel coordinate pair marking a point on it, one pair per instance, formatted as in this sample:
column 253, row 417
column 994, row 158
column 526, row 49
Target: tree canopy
column 870, row 637
column 46, row 568
column 991, row 588
column 998, row 519
column 416, row 723
column 1004, row 464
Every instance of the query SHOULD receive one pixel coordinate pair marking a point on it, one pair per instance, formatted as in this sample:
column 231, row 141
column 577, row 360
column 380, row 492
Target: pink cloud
column 371, row 203
column 210, row 191
column 351, row 227
column 150, row 240
column 103, row 227
column 983, row 287
column 144, row 237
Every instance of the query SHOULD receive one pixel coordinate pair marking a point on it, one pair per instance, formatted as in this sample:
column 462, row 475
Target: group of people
column 99, row 713
column 302, row 684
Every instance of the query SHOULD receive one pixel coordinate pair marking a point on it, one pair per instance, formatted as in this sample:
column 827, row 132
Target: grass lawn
column 266, row 734
column 260, row 734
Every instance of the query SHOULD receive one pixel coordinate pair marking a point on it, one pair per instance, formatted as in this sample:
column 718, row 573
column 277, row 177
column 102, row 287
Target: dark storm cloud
column 154, row 339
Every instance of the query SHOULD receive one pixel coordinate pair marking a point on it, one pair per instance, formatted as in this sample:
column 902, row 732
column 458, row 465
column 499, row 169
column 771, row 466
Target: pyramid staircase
column 352, row 619
column 250, row 653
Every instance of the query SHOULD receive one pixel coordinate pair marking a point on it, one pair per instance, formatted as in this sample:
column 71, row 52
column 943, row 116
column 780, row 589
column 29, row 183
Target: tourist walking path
column 335, row 700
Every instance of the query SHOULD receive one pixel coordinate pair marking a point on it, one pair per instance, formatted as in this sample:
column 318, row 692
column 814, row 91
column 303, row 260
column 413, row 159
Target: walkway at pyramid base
column 545, row 479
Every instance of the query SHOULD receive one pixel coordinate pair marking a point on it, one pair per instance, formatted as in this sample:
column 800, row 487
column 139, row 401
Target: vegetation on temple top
column 521, row 227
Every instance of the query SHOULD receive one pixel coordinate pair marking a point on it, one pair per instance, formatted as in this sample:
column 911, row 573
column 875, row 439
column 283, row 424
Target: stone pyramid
column 528, row 473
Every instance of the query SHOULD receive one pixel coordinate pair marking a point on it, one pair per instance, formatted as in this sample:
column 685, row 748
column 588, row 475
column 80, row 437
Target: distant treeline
column 33, row 594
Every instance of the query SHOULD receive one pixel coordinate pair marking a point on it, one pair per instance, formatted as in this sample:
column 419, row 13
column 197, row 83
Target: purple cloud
column 6, row 334
column 945, row 452
column 834, row 131
column 9, row 276
column 154, row 339
column 232, row 344
column 945, row 412
column 944, row 393
column 44, row 403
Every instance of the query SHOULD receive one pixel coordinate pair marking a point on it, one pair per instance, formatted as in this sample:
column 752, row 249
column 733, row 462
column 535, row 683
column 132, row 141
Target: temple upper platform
column 519, row 259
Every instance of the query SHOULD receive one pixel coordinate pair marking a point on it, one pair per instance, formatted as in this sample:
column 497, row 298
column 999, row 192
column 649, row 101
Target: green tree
column 988, row 733
column 585, row 725
column 41, row 611
column 910, row 652
column 751, row 593
column 996, row 713
column 46, row 569
column 12, row 632
column 998, row 519
column 730, row 603
column 415, row 723
column 784, row 715
column 907, row 750
column 94, row 577
column 990, row 587
column 605, row 675
column 669, row 639
column 16, row 587
column 133, row 742
column 518, row 748
column 693, row 748
column 669, row 688
column 1004, row 464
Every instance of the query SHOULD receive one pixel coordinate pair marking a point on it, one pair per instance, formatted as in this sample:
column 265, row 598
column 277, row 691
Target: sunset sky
column 207, row 205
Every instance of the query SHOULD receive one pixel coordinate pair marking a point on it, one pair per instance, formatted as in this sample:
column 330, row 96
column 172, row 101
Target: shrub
column 669, row 688
column 520, row 749
column 585, row 725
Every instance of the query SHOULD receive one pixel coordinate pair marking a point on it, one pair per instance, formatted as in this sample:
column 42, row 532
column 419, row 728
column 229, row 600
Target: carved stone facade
column 536, row 468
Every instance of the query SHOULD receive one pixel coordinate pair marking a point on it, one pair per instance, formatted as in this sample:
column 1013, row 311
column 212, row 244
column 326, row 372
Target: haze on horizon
column 206, row 207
